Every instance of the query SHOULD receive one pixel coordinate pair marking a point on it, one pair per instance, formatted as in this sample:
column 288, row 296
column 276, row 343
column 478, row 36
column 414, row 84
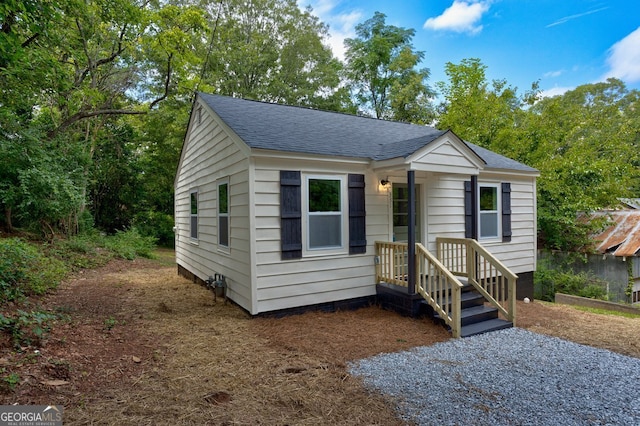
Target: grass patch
column 606, row 312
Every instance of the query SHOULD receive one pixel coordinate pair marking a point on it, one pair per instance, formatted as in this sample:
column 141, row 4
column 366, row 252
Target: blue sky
column 560, row 43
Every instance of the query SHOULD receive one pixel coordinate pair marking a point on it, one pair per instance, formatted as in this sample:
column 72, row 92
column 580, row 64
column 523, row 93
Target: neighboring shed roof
column 622, row 237
column 297, row 129
column 632, row 203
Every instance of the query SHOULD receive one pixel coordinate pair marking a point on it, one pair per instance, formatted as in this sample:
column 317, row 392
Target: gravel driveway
column 508, row 377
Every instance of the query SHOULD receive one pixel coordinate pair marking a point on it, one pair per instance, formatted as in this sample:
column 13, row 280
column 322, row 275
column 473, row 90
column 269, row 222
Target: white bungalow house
column 297, row 207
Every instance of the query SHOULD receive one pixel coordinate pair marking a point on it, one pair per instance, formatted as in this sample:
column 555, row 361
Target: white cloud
column 624, row 58
column 461, row 17
column 553, row 74
column 570, row 17
column 341, row 25
column 555, row 91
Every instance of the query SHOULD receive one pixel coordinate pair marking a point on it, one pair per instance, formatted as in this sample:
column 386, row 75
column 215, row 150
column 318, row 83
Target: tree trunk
column 7, row 219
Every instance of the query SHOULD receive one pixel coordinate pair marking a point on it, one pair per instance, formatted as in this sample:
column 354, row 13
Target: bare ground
column 140, row 345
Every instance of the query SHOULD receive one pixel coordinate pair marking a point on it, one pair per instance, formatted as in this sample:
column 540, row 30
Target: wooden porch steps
column 476, row 317
column 484, row 327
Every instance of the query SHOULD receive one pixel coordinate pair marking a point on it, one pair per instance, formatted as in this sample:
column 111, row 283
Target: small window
column 325, row 213
column 223, row 214
column 194, row 215
column 489, row 215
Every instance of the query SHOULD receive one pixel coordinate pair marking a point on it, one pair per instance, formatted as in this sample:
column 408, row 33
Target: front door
column 401, row 213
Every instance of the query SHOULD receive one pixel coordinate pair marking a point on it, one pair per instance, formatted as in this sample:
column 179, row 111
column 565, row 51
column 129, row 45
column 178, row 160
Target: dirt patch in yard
column 139, row 345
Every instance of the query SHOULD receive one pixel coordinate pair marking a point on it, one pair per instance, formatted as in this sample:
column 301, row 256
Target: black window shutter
column 357, row 215
column 471, row 208
column 290, row 214
column 506, row 212
column 468, row 210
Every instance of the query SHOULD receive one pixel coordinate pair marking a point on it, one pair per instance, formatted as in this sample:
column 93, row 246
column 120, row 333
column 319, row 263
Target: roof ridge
column 307, row 108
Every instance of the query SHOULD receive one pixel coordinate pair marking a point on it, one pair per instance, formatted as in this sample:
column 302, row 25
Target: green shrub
column 27, row 328
column 81, row 251
column 25, row 271
column 130, row 244
column 548, row 282
column 158, row 225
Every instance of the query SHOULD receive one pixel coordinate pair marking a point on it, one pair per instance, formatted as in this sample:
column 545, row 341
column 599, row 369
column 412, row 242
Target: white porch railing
column 467, row 258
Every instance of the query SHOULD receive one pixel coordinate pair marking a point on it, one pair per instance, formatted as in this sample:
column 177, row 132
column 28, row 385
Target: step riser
column 476, row 318
column 479, row 329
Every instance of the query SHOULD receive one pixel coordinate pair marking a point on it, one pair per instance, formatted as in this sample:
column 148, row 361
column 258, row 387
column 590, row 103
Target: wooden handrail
column 437, row 285
column 440, row 288
column 468, row 258
column 437, row 276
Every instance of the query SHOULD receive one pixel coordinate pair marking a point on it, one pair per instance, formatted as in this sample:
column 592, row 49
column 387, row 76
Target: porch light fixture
column 384, row 182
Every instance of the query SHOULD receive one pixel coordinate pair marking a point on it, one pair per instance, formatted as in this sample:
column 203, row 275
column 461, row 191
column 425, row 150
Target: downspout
column 411, row 279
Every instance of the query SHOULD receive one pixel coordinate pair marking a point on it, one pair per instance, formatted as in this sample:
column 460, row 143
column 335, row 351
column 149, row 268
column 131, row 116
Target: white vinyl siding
column 324, row 277
column 445, row 216
column 209, row 155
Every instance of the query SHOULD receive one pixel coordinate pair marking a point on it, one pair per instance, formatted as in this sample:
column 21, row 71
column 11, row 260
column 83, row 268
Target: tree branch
column 115, row 52
column 88, row 114
column 167, row 82
column 30, row 40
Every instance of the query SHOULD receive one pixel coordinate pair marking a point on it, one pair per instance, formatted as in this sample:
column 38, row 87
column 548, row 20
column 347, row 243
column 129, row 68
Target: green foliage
column 586, row 148
column 27, row 328
column 113, row 187
column 548, row 282
column 109, row 323
column 8, row 381
column 156, row 225
column 607, row 312
column 584, row 143
column 25, row 271
column 381, row 66
column 480, row 112
column 80, row 251
column 272, row 50
column 130, row 244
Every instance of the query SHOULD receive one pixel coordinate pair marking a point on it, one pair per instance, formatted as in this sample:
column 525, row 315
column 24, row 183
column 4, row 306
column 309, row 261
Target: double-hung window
column 193, row 224
column 325, row 201
column 223, row 213
column 489, row 203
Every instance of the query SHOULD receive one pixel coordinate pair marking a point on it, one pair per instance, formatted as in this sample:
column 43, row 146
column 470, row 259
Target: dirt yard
column 139, row 345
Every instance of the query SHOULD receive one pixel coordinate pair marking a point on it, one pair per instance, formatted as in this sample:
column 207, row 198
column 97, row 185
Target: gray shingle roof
column 296, row 129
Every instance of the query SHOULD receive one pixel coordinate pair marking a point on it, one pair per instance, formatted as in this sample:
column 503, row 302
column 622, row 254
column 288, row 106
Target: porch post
column 411, row 183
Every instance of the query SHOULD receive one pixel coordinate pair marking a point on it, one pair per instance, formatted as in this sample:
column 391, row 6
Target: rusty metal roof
column 622, row 236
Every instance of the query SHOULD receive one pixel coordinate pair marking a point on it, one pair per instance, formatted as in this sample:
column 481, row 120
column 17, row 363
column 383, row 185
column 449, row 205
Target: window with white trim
column 489, row 213
column 324, row 202
column 223, row 213
column 193, row 223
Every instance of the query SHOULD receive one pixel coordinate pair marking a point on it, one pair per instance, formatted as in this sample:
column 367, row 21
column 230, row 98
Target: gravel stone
column 507, row 377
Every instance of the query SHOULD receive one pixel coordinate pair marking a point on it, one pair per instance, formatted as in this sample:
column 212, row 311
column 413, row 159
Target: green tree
column 381, row 66
column 68, row 68
column 271, row 50
column 478, row 111
column 585, row 144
